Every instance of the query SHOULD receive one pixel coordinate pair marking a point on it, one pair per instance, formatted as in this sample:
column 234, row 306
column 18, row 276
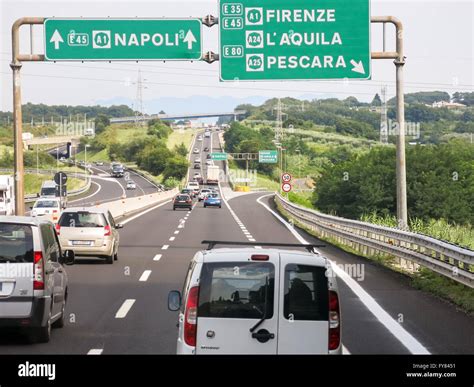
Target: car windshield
column 16, row 243
column 213, row 195
column 46, row 204
column 82, row 219
column 48, row 191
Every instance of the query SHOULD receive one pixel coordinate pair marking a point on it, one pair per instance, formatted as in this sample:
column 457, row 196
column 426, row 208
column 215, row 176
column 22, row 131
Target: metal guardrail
column 442, row 257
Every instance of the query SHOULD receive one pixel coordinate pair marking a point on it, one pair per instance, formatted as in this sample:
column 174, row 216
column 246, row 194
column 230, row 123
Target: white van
column 258, row 301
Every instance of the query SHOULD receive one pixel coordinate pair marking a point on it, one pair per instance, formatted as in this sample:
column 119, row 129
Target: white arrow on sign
column 56, row 39
column 358, row 66
column 190, row 39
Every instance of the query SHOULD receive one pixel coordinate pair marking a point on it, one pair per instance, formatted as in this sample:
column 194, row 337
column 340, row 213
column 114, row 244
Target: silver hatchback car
column 33, row 281
column 258, row 301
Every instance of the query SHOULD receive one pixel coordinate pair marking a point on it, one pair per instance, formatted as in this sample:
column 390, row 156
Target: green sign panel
column 219, row 156
column 268, row 156
column 122, row 39
column 294, row 40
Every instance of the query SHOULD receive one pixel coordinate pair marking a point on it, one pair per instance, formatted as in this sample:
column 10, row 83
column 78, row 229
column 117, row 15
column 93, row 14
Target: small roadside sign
column 286, row 177
column 60, row 178
column 286, row 187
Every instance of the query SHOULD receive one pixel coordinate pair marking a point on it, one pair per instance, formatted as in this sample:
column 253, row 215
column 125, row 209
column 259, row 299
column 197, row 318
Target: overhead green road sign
column 268, row 156
column 291, row 40
column 122, row 39
column 219, row 156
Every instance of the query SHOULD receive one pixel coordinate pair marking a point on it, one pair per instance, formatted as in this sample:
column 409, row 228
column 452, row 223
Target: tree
column 101, row 122
column 181, row 150
column 176, row 167
column 377, row 101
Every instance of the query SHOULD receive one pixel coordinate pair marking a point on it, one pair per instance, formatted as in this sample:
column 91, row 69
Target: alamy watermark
column 71, row 128
column 392, row 128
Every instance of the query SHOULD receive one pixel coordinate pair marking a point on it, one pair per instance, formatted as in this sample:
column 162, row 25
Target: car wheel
column 41, row 334
column 116, row 257
column 220, row 206
column 110, row 259
column 59, row 323
column 174, row 208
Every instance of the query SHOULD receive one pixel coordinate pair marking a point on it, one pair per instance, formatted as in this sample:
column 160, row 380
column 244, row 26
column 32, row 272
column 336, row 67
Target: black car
column 206, row 149
column 186, row 191
column 208, row 156
column 182, row 201
column 197, row 166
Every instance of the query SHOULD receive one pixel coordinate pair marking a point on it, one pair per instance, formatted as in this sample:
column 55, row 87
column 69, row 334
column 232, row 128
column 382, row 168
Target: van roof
column 48, row 183
column 28, row 220
column 216, row 255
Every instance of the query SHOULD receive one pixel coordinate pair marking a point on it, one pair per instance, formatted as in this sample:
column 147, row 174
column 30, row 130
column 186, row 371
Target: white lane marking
column 145, row 212
column 172, row 239
column 95, row 351
column 145, row 276
column 252, row 240
column 246, row 232
column 87, row 197
column 400, row 333
column 125, row 308
column 181, row 225
column 165, row 247
column 176, row 232
column 157, row 257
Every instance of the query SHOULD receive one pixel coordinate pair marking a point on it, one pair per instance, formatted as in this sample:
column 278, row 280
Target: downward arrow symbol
column 358, row 66
column 56, row 39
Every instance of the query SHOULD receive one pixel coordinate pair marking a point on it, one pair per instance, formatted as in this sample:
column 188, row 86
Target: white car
column 194, row 185
column 203, row 193
column 197, row 160
column 258, row 301
column 199, row 138
column 196, row 151
column 47, row 208
column 131, row 185
column 209, row 162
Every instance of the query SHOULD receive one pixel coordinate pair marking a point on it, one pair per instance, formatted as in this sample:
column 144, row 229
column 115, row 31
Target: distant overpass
column 170, row 117
column 53, row 140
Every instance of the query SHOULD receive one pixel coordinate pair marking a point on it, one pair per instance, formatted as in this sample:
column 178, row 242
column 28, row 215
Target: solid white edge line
column 87, row 197
column 400, row 333
column 145, row 212
column 125, row 308
column 145, row 275
column 157, row 257
column 95, row 351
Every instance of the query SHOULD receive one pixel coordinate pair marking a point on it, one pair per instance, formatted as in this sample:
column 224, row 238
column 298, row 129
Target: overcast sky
column 439, row 43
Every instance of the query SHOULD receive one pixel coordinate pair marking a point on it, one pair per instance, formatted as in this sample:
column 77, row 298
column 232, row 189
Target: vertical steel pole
column 18, row 142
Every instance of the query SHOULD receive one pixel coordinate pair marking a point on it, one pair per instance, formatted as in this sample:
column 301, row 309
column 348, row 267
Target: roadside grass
column 33, row 183
column 180, row 137
column 102, row 155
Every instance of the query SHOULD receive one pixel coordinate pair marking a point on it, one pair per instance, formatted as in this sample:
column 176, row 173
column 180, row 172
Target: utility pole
column 279, row 122
column 383, row 116
column 139, row 114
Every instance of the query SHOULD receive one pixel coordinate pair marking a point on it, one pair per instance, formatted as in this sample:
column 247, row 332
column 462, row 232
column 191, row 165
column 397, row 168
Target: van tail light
column 259, row 257
column 107, row 231
column 58, row 228
column 38, row 276
column 334, row 321
column 190, row 317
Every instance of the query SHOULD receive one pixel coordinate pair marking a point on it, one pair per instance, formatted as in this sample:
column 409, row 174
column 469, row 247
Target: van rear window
column 16, row 243
column 237, row 290
column 306, row 293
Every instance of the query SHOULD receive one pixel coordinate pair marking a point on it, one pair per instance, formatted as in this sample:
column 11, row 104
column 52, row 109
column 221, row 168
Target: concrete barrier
column 128, row 206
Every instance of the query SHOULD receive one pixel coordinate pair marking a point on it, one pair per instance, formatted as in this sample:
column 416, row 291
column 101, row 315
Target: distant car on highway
column 199, row 138
column 208, row 156
column 47, row 208
column 188, row 191
column 194, row 185
column 267, row 301
column 208, row 162
column 99, row 163
column 197, row 160
column 89, row 232
column 197, row 166
column 131, row 185
column 203, row 193
column 182, row 201
column 34, row 283
column 198, row 177
column 206, row 149
column 212, row 200
column 196, row 151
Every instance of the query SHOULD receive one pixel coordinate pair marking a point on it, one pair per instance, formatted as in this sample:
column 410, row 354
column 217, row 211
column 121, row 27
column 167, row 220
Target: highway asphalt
column 122, row 308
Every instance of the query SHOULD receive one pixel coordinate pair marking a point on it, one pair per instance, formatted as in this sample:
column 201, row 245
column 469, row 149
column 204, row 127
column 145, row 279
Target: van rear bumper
column 38, row 315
